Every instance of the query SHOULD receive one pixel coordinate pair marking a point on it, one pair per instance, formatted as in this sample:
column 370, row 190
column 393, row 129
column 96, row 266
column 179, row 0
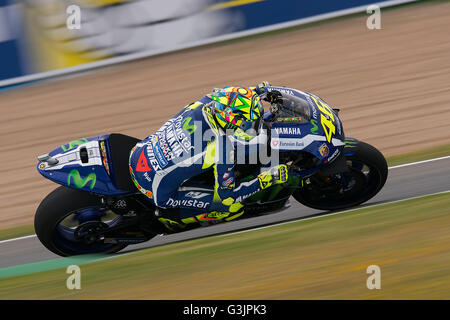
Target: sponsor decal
column 351, row 143
column 313, row 107
column 282, row 90
column 226, row 174
column 275, row 142
column 293, row 119
column 160, row 154
column 172, row 140
column 73, row 144
column 187, row 203
column 314, row 128
column 288, row 131
column 185, row 141
column 196, row 194
column 323, row 149
column 242, row 198
column 165, row 150
column 104, row 156
column 334, row 155
column 227, row 182
column 142, row 164
column 147, row 177
column 151, row 156
column 79, row 182
column 42, row 166
column 287, row 144
column 187, row 126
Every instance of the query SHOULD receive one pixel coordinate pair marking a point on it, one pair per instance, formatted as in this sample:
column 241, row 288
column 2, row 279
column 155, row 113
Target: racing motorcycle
column 98, row 209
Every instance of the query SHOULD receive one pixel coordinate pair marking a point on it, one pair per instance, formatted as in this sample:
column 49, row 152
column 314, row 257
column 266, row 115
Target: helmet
column 238, row 109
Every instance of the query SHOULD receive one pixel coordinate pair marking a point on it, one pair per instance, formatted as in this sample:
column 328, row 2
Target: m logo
column 188, row 126
column 80, row 182
column 73, row 144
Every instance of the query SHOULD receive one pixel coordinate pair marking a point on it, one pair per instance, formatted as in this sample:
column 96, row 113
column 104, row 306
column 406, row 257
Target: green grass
column 435, row 152
column 16, row 232
column 323, row 258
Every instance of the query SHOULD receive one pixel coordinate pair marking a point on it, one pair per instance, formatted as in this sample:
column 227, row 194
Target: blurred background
column 35, row 36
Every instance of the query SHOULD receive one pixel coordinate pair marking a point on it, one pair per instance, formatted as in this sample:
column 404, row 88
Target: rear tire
column 57, row 205
column 368, row 172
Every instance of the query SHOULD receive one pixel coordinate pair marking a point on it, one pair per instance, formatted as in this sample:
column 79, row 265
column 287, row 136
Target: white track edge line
column 418, row 162
column 19, row 238
column 335, row 213
column 394, row 167
column 293, row 221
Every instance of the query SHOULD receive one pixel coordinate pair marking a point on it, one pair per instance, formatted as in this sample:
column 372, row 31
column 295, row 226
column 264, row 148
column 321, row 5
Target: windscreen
column 292, row 109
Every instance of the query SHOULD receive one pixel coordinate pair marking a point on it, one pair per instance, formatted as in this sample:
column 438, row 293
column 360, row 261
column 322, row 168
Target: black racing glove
column 275, row 175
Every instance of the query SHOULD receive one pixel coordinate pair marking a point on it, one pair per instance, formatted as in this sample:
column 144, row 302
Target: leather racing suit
column 187, row 145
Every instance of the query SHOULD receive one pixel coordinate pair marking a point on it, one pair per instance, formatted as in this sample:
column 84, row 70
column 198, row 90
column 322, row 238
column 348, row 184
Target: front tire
column 367, row 174
column 58, row 215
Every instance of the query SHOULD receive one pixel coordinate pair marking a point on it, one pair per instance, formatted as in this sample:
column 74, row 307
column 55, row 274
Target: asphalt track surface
column 405, row 181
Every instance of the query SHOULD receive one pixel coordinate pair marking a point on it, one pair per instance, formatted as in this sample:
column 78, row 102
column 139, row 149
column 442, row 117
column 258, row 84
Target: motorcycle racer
column 203, row 137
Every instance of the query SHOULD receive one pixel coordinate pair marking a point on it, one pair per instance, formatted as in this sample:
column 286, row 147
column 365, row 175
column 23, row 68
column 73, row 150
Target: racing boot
column 235, row 210
column 170, row 219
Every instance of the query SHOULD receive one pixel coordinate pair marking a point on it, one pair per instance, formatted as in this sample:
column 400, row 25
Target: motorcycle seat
column 120, row 146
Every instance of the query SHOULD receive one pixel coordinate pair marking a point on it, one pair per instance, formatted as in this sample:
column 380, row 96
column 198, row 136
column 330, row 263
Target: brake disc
column 90, row 232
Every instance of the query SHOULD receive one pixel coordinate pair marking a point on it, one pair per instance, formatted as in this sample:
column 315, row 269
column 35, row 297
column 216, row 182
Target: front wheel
column 59, row 217
column 366, row 175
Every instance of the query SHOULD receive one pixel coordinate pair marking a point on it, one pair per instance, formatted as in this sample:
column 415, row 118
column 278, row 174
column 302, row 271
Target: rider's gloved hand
column 261, row 88
column 273, row 96
column 275, row 175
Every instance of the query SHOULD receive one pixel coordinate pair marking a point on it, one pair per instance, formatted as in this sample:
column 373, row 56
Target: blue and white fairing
column 83, row 164
column 306, row 123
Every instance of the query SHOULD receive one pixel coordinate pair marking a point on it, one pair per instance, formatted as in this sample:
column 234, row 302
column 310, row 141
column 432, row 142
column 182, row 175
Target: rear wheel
column 366, row 176
column 65, row 219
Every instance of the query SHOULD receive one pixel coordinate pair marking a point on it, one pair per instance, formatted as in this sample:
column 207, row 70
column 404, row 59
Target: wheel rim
column 357, row 185
column 64, row 232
